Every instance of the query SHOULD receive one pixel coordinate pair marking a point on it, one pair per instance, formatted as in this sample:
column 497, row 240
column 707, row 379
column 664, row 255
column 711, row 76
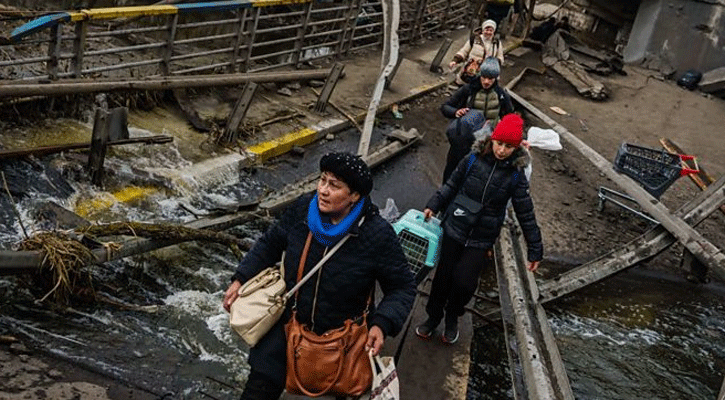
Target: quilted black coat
column 371, row 254
column 466, row 94
column 495, row 181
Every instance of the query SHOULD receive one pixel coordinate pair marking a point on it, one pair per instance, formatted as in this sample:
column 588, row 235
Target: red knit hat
column 509, row 130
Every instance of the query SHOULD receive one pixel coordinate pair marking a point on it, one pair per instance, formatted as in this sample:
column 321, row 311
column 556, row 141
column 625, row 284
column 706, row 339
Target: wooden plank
column 240, row 111
column 41, row 151
column 435, row 65
column 389, row 78
column 700, row 247
column 429, row 369
column 640, row 249
column 329, row 86
column 98, row 147
column 702, row 179
column 161, row 83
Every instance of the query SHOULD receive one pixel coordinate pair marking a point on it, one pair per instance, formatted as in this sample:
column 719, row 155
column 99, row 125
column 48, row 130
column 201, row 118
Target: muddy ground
column 641, row 108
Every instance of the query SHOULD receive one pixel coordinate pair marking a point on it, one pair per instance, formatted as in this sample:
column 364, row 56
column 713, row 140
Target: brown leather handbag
column 334, row 363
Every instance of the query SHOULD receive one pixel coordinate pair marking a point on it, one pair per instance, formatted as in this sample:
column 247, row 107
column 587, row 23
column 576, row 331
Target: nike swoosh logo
column 459, row 213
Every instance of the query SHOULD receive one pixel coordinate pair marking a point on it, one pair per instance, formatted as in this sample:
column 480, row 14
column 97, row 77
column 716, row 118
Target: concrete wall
column 686, row 34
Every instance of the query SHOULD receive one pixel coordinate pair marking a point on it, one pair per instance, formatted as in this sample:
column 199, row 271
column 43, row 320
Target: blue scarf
column 326, row 232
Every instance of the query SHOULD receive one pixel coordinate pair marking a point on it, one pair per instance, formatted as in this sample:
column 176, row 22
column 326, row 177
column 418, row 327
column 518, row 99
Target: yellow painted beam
column 87, row 207
column 268, row 3
column 121, row 12
column 265, row 150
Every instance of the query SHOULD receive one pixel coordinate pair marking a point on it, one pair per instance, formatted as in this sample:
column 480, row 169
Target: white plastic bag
column 386, row 385
column 390, row 213
column 547, row 139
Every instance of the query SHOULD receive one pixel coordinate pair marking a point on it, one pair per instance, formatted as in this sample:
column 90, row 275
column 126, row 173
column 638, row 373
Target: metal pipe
column 122, row 66
column 205, row 53
column 115, row 50
column 206, row 38
column 207, row 23
column 123, row 32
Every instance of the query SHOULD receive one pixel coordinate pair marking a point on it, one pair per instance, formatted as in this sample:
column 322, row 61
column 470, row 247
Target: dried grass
column 62, row 272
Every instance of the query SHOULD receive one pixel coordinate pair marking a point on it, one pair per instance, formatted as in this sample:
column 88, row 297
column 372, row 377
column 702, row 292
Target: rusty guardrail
column 223, row 36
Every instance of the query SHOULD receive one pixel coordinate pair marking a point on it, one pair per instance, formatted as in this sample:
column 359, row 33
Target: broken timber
column 47, row 88
column 20, row 262
column 536, row 368
column 701, row 248
column 45, row 150
column 231, row 131
column 391, row 16
column 328, row 87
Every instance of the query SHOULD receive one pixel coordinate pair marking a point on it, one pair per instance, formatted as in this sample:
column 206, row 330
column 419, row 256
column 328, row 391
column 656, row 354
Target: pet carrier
column 420, row 241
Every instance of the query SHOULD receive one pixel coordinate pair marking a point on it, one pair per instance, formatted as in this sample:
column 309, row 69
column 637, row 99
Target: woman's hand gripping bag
column 259, row 306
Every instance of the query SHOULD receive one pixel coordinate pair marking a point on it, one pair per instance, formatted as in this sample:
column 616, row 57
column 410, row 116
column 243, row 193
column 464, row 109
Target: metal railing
column 228, row 36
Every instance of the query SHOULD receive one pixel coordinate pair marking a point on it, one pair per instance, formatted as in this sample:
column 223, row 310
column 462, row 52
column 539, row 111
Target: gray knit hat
column 351, row 169
column 490, row 68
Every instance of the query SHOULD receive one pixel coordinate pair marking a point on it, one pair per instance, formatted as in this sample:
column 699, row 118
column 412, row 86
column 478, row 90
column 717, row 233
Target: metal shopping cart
column 656, row 170
column 420, row 241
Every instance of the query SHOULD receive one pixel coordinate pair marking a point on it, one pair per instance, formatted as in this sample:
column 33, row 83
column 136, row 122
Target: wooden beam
column 23, row 262
column 435, row 65
column 230, row 134
column 329, row 86
column 700, row 247
column 45, row 150
column 98, row 147
column 72, row 86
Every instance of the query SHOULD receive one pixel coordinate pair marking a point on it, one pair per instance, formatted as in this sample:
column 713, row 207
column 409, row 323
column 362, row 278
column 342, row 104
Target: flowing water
column 634, row 336
column 637, row 335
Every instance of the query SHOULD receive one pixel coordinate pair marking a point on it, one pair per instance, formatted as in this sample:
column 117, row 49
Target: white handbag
column 386, row 385
column 262, row 299
column 260, row 304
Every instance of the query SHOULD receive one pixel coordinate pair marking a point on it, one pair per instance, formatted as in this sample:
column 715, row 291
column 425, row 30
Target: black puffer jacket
column 371, row 254
column 466, row 94
column 496, row 181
